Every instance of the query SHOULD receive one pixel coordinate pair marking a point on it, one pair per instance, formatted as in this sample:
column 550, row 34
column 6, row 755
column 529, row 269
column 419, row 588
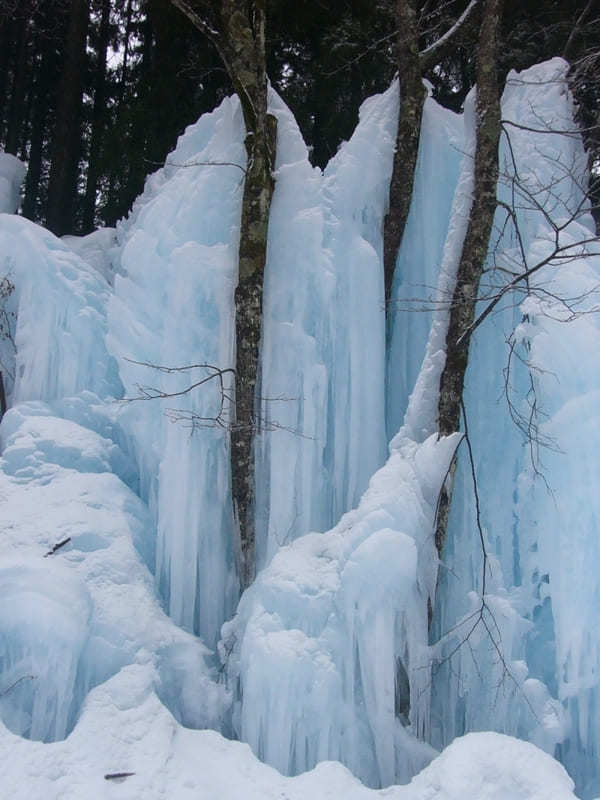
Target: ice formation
column 323, row 378
column 118, row 564
column 172, row 306
column 287, row 634
column 12, row 172
column 413, row 308
column 539, row 511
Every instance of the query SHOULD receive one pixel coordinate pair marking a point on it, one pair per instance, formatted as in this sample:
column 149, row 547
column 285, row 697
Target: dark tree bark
column 141, row 133
column 412, row 64
column 17, row 104
column 412, row 99
column 6, row 43
column 41, row 93
column 66, row 138
column 3, row 405
column 475, row 245
column 98, row 121
column 238, row 33
column 30, row 208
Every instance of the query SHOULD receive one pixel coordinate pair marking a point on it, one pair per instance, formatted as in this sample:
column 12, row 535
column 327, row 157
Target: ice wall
column 416, row 300
column 322, row 353
column 76, row 602
column 73, row 615
column 523, row 656
column 324, row 339
column 173, row 306
column 329, row 648
column 53, row 316
column 330, row 653
column 301, row 662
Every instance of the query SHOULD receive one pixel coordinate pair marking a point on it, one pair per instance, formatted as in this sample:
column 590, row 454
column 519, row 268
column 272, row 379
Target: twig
column 12, row 686
column 57, row 546
column 114, row 776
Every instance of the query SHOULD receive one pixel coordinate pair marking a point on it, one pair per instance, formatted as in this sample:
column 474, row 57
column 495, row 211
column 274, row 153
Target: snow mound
column 328, row 648
column 76, row 602
column 125, row 731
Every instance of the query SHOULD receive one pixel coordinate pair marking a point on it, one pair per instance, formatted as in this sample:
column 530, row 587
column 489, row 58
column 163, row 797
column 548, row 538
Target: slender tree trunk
column 98, row 121
column 17, row 103
column 412, row 99
column 239, row 38
column 42, row 91
column 110, row 212
column 6, row 45
column 475, row 245
column 246, row 34
column 65, row 143
column 45, row 74
column 3, row 405
column 412, row 64
column 141, row 133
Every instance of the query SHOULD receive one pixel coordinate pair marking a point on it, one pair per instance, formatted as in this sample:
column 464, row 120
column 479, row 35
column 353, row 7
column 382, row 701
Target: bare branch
column 436, row 49
column 16, row 683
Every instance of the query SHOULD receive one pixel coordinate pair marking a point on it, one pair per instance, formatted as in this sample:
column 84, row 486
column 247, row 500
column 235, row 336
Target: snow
column 320, row 638
column 94, row 249
column 72, row 618
column 121, row 633
column 12, row 172
column 125, row 729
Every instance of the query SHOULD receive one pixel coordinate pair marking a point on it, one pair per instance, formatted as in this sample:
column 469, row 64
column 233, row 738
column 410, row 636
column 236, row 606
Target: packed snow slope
column 121, row 626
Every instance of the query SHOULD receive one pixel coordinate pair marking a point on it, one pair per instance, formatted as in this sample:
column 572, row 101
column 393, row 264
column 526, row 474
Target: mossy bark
column 239, row 37
column 475, row 245
column 412, row 100
column 412, row 65
column 244, row 26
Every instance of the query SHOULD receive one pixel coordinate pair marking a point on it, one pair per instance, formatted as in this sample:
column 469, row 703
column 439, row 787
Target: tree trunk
column 239, row 37
column 45, row 78
column 412, row 99
column 98, row 121
column 17, row 103
column 65, row 142
column 475, row 245
column 245, row 34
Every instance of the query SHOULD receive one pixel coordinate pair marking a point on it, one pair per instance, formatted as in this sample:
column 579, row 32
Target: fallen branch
column 57, row 546
column 115, row 776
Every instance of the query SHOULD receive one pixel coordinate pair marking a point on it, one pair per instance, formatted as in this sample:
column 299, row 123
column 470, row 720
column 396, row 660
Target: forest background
column 93, row 93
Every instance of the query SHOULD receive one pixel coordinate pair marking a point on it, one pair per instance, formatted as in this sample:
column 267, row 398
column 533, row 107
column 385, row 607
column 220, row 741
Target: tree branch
column 438, row 48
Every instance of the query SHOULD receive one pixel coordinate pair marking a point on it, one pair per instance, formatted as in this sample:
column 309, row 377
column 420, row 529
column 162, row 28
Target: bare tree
column 475, row 245
column 237, row 30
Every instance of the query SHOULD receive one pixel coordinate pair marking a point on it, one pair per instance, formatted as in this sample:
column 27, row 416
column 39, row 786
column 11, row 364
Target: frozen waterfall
column 121, row 624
